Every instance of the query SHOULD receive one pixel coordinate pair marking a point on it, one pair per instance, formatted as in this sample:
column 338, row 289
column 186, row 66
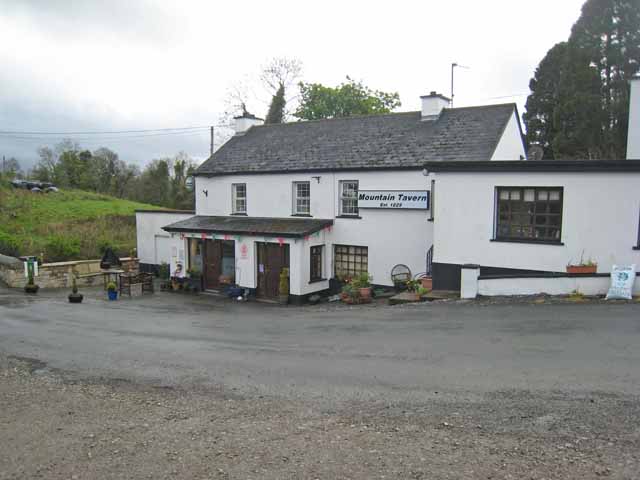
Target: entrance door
column 272, row 258
column 212, row 263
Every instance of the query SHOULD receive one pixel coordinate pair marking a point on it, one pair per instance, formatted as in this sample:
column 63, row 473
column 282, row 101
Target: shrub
column 61, row 248
column 9, row 245
column 163, row 271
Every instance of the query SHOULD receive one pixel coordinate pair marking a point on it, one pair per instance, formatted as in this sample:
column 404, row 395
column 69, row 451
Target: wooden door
column 212, row 263
column 272, row 258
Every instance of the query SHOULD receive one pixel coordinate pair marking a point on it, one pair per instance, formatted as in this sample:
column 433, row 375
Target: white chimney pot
column 245, row 122
column 432, row 105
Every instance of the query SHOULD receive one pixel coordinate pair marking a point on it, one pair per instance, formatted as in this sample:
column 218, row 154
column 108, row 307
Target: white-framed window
column 301, row 198
column 349, row 198
column 239, row 198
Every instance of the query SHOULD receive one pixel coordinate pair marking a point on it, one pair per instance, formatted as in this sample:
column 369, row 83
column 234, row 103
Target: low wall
column 552, row 285
column 60, row 274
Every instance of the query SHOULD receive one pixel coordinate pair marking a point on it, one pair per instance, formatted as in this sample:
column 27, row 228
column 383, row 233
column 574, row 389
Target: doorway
column 219, row 263
column 272, row 258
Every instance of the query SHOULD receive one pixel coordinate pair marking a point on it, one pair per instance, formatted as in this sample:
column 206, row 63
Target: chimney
column 432, row 105
column 245, row 121
column 633, row 132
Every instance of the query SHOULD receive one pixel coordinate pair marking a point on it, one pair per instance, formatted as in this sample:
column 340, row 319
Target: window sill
column 238, row 214
column 529, row 242
column 306, row 215
column 317, row 281
column 352, row 217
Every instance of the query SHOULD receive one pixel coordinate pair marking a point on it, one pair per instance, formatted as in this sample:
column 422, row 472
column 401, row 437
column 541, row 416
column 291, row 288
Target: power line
column 104, row 132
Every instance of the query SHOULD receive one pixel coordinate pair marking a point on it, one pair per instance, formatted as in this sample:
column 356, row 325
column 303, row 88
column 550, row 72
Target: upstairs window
column 349, row 198
column 529, row 214
column 239, row 198
column 301, row 198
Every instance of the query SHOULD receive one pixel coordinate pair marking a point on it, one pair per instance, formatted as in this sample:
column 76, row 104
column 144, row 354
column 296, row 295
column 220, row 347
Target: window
column 316, row 263
column 301, row 198
column 349, row 197
column 529, row 214
column 239, row 198
column 350, row 261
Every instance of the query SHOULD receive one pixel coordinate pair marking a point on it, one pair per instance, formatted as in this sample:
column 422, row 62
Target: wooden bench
column 128, row 279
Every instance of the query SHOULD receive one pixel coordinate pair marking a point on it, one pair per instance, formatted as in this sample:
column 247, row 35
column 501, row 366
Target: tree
column 586, row 114
column 349, row 98
column 541, row 104
column 11, row 168
column 276, row 109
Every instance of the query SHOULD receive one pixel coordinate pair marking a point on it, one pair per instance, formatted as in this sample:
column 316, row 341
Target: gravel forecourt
column 62, row 424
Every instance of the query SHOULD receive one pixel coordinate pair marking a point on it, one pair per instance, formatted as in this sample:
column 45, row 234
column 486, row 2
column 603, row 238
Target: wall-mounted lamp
column 206, row 193
column 317, row 179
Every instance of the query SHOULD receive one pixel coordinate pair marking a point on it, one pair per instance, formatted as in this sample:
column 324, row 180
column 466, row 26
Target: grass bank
column 67, row 225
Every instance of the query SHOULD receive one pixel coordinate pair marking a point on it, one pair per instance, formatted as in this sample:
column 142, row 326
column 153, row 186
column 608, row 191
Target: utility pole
column 211, row 149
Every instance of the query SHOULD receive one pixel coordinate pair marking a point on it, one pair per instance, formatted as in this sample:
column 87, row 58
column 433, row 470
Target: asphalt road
column 361, row 353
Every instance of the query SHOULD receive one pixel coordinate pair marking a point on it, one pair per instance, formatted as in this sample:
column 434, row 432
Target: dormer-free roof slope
column 397, row 140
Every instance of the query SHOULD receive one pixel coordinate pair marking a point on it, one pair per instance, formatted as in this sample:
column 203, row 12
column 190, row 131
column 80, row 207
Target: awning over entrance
column 282, row 227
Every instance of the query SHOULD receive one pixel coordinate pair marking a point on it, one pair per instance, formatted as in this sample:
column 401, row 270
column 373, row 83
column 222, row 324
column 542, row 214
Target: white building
column 329, row 198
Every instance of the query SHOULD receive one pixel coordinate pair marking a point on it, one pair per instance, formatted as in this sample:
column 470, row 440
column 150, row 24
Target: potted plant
column 283, row 287
column 349, row 294
column 414, row 288
column 112, row 291
column 75, row 296
column 588, row 267
column 195, row 279
column 427, row 282
column 362, row 282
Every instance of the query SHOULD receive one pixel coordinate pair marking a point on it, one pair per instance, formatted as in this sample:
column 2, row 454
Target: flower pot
column 112, row 294
column 365, row 293
column 31, row 288
column 75, row 298
column 414, row 296
column 427, row 282
column 582, row 269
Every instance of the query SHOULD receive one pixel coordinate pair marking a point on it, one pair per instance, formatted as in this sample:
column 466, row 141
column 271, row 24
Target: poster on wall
column 394, row 199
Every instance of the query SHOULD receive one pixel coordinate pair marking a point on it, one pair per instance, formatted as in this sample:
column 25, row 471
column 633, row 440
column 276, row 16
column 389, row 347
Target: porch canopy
column 256, row 226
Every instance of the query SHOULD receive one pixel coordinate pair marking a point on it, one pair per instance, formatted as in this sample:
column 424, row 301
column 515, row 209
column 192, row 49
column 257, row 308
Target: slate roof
column 397, row 140
column 240, row 225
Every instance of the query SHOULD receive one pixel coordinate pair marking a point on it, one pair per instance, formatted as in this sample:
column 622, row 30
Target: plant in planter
column 362, row 283
column 583, row 267
column 195, row 279
column 414, row 288
column 283, row 287
column 75, row 296
column 112, row 291
column 349, row 293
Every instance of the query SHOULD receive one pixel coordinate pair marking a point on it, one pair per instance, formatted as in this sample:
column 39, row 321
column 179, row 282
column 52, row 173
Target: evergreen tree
column 542, row 102
column 591, row 75
column 276, row 109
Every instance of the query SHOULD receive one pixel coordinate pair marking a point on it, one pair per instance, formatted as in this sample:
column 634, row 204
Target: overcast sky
column 71, row 65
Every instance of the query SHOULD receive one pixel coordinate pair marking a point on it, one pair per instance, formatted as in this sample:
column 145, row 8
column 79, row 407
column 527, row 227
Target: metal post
column 211, row 149
column 453, row 66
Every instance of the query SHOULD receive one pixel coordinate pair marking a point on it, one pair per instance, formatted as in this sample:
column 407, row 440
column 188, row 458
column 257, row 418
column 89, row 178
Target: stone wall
column 60, row 274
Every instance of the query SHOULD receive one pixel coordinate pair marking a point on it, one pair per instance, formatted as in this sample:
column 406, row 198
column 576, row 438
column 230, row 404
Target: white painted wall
column 600, row 217
column 633, row 140
column 551, row 286
column 149, row 233
column 392, row 236
column 510, row 146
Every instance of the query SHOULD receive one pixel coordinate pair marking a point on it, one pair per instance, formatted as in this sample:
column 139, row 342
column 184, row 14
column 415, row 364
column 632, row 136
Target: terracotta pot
column 414, row 296
column 427, row 282
column 583, row 269
column 365, row 292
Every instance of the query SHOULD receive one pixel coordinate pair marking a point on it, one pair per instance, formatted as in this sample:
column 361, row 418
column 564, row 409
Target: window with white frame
column 301, row 198
column 349, row 198
column 239, row 198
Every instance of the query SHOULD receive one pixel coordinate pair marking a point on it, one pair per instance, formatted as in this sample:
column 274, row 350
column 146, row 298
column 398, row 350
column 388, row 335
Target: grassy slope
column 83, row 220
